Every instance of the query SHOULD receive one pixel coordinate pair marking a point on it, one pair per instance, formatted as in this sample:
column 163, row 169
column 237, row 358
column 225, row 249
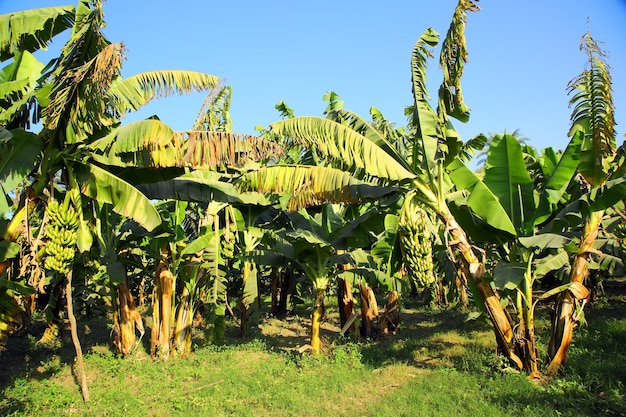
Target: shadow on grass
column 24, row 357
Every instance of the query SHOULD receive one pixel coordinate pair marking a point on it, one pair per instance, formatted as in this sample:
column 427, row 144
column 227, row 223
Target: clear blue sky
column 522, row 55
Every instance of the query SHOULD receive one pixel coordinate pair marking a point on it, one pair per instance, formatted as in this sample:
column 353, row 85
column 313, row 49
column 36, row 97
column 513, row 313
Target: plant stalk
column 80, row 367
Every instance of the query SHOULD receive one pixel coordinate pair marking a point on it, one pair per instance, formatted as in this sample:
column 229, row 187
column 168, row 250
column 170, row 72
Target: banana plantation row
column 107, row 214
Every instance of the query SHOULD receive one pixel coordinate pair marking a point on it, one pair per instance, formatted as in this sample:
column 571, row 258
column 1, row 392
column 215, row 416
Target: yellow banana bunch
column 61, row 231
column 416, row 243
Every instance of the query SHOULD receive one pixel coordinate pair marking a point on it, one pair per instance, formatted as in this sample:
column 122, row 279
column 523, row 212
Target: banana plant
column 530, row 203
column 310, row 242
column 115, row 238
column 602, row 172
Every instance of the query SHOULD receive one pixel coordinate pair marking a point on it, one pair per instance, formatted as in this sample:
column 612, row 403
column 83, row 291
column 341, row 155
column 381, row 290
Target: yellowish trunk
column 184, row 324
column 473, row 268
column 570, row 303
column 162, row 312
column 129, row 320
column 316, row 341
column 369, row 310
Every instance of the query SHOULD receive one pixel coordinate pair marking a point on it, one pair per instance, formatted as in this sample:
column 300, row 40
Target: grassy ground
column 437, row 365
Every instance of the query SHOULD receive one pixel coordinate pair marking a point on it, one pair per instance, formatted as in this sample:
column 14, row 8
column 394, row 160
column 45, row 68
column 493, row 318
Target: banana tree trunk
column 162, row 312
column 525, row 346
column 345, row 300
column 287, row 280
column 126, row 318
column 473, row 268
column 184, row 324
column 570, row 304
column 390, row 318
column 369, row 310
column 249, row 295
column 274, row 290
column 318, row 310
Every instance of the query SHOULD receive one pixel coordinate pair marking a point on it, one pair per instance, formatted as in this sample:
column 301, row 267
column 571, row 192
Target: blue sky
column 522, row 55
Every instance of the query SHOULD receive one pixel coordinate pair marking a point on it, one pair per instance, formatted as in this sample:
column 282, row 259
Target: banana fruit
column 416, row 242
column 228, row 246
column 61, row 231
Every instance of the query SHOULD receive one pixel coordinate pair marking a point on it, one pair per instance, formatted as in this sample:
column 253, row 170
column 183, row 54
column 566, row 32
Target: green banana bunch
column 228, row 246
column 61, row 231
column 416, row 243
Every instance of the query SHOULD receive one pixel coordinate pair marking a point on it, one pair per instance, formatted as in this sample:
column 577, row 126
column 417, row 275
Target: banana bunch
column 228, row 246
column 62, row 234
column 416, row 243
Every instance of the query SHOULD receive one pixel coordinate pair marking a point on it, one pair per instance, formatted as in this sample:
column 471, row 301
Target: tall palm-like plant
column 529, row 202
column 593, row 117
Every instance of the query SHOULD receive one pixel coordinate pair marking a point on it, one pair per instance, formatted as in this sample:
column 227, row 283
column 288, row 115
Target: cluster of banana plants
column 525, row 217
column 342, row 201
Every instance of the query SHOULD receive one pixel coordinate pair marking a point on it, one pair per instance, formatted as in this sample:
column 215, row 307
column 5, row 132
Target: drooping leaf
column 19, row 287
column 481, row 200
column 8, row 250
column 509, row 275
column 312, row 185
column 202, row 186
column 374, row 277
column 341, row 143
column 131, row 93
column 361, row 126
column 100, row 185
column 609, row 194
column 551, row 263
column 17, row 160
column 217, row 149
column 30, row 30
column 199, row 244
column 593, row 113
column 544, row 241
column 452, row 60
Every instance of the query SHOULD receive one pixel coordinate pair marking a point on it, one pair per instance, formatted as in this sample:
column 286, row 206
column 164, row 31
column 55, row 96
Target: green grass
column 437, row 365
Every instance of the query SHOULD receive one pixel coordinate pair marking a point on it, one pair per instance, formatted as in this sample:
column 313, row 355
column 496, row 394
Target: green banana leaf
column 8, row 250
column 202, row 186
column 560, row 178
column 30, row 30
column 132, row 93
column 424, row 117
column 507, row 178
column 481, row 200
column 360, row 125
column 550, row 263
column 101, row 185
column 17, row 159
column 608, row 194
column 312, row 185
column 343, row 144
column 545, row 241
column 508, row 275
